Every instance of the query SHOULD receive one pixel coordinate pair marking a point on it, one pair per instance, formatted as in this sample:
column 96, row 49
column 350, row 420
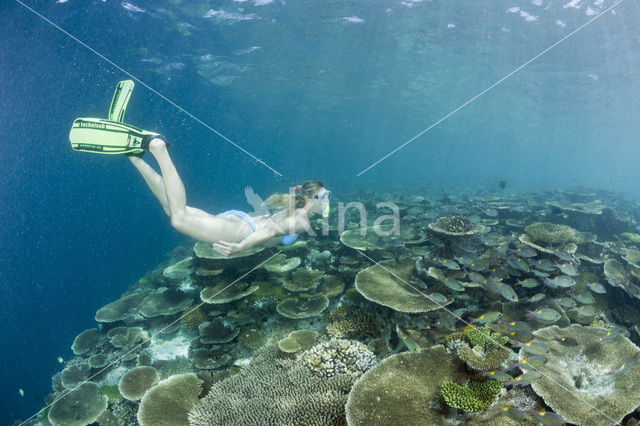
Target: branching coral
column 348, row 322
column 475, row 397
column 338, row 356
column 550, row 233
column 274, row 389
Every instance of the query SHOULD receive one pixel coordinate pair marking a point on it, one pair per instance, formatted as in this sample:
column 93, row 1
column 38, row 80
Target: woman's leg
column 192, row 222
column 153, row 180
column 156, row 184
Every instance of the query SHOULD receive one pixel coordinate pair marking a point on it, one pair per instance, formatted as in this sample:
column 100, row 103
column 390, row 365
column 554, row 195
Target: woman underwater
column 232, row 231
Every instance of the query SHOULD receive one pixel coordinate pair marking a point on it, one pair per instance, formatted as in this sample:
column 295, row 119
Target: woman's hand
column 226, row 248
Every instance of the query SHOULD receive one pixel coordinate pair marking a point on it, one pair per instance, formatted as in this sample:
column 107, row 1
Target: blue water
column 316, row 89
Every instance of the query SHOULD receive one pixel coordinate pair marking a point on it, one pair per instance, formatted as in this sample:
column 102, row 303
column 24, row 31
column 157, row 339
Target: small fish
column 535, row 347
column 479, row 266
column 21, row 392
column 517, row 326
column 628, row 364
column 562, row 281
column 60, row 360
column 437, row 297
column 585, row 310
column 545, row 315
column 529, row 283
column 475, row 277
column 507, row 292
column 462, row 260
column 547, row 418
column 540, row 274
column 566, row 341
column 522, row 336
column 514, row 414
column 518, row 263
column 544, row 265
column 565, row 302
column 421, row 324
column 449, row 264
column 535, row 361
column 536, row 297
column 488, row 318
column 567, row 269
column 611, row 334
column 525, row 251
column 524, row 379
column 459, row 312
column 584, row 298
column 498, row 375
column 452, row 284
column 563, row 255
column 596, row 288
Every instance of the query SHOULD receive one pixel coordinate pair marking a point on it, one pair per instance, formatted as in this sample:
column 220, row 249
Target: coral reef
column 281, row 264
column 168, row 402
column 404, row 389
column 85, row 341
column 218, row 330
column 273, row 390
column 581, row 383
column 225, row 293
column 298, row 340
column 550, row 233
column 477, row 396
column 122, row 308
column 303, row 280
column 80, row 407
column 165, row 302
column 386, row 284
column 349, row 322
column 480, row 348
column 193, row 318
column 457, row 226
column 303, row 307
column 135, row 382
column 338, row 356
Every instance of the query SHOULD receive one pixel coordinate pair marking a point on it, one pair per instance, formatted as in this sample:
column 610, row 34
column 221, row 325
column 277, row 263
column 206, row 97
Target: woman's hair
column 296, row 201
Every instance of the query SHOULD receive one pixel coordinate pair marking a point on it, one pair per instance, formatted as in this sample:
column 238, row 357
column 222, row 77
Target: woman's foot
column 156, row 145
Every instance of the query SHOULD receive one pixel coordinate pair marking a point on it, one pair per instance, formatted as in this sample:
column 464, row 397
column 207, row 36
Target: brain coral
column 274, row 390
column 578, row 381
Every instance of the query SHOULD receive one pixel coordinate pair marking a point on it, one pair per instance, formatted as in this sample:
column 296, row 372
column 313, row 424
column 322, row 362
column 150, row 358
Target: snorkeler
column 230, row 232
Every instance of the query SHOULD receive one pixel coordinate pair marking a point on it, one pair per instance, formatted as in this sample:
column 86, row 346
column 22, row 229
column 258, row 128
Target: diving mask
column 323, row 198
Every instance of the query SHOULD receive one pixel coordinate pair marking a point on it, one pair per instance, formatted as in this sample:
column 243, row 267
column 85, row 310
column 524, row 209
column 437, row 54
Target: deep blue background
column 319, row 98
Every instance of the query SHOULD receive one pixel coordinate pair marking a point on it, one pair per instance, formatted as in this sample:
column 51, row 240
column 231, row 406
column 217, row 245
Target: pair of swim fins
column 111, row 135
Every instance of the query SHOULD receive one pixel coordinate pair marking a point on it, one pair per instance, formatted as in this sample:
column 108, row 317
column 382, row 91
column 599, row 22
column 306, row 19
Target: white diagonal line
column 149, row 339
column 490, row 337
column 277, row 173
column 488, row 88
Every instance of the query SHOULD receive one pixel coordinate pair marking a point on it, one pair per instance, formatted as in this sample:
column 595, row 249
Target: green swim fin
column 102, row 136
column 111, row 136
column 120, row 100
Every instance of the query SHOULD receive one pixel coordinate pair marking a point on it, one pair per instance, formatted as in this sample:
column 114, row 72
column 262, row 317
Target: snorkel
column 323, row 198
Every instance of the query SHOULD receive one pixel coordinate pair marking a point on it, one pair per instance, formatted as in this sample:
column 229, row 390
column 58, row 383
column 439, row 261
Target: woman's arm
column 292, row 224
column 254, row 239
